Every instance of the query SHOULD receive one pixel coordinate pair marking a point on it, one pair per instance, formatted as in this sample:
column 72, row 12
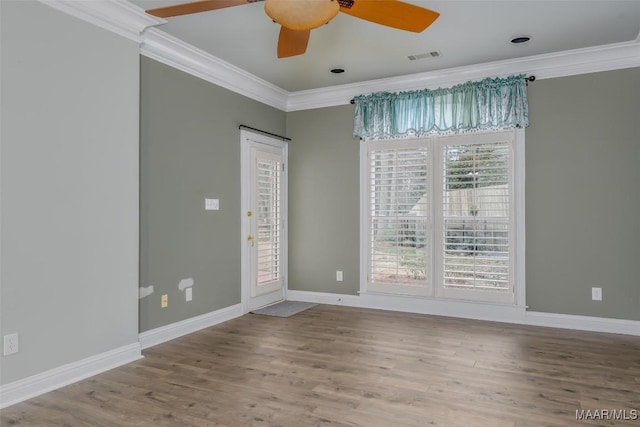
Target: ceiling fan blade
column 392, row 13
column 292, row 42
column 195, row 7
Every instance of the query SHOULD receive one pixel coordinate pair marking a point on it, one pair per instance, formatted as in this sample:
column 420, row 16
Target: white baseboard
column 324, row 298
column 44, row 382
column 468, row 310
column 440, row 307
column 52, row 379
column 184, row 327
column 584, row 323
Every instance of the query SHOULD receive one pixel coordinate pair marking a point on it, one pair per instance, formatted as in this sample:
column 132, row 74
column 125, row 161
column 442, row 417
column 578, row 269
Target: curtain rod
column 284, row 138
column 527, row 78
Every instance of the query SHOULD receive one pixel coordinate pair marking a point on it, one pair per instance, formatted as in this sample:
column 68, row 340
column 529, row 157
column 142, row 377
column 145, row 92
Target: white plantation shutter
column 269, row 229
column 476, row 212
column 398, row 241
column 442, row 216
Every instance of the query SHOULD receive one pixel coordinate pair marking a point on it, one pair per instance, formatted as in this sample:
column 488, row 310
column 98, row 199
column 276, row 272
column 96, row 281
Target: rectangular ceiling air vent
column 432, row 54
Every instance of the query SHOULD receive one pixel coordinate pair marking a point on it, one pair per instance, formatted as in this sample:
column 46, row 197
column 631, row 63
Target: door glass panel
column 269, row 228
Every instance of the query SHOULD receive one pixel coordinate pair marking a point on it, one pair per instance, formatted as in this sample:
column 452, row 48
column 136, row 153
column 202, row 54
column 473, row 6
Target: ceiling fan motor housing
column 301, row 15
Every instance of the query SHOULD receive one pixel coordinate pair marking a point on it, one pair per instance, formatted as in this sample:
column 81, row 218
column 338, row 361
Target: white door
column 263, row 220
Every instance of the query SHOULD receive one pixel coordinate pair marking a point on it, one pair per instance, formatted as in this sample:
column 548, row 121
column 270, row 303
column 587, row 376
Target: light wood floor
column 338, row 366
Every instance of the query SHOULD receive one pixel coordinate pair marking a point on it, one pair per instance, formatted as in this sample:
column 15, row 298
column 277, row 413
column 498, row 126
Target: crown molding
column 559, row 64
column 128, row 20
column 118, row 16
column 162, row 47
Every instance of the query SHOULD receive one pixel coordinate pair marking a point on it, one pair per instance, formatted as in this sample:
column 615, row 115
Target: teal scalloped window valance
column 490, row 104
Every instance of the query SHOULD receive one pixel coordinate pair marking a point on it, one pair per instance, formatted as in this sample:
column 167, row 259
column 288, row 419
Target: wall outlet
column 10, row 344
column 164, row 301
column 188, row 294
column 596, row 294
column 339, row 276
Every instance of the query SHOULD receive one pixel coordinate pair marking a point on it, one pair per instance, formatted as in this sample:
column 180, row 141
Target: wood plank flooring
column 339, row 366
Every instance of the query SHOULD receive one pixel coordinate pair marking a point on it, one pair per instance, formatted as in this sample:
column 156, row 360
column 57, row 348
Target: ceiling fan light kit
column 298, row 17
column 301, row 15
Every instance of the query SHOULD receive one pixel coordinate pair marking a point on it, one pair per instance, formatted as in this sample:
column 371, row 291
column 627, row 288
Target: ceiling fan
column 298, row 17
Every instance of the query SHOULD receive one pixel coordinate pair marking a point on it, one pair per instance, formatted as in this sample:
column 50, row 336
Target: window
column 441, row 217
column 399, row 219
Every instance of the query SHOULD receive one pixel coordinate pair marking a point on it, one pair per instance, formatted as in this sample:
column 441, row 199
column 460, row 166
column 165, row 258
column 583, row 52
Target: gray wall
column 323, row 200
column 69, row 188
column 190, row 150
column 583, row 202
column 69, row 177
column 583, row 196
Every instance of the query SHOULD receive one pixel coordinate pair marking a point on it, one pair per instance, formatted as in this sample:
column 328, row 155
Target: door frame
column 250, row 140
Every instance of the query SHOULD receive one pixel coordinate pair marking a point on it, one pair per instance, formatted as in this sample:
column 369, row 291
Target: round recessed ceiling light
column 337, row 70
column 520, row 39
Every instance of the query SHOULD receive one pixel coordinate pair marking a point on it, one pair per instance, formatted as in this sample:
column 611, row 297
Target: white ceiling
column 467, row 32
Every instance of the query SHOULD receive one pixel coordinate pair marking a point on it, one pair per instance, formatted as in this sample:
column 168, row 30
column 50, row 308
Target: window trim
column 517, row 216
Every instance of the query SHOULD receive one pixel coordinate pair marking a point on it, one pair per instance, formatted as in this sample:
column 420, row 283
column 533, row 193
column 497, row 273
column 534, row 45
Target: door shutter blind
column 398, row 245
column 476, row 214
column 268, row 220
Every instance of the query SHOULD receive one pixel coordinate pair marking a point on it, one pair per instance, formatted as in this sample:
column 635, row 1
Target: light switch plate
column 211, row 204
